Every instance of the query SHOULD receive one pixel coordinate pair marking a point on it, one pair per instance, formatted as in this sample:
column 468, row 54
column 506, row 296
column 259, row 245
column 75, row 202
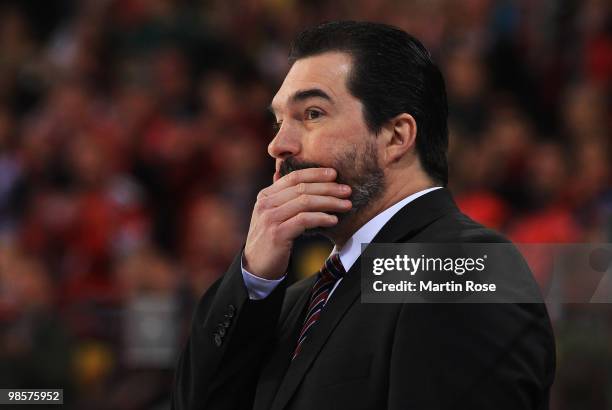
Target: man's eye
column 313, row 114
column 276, row 127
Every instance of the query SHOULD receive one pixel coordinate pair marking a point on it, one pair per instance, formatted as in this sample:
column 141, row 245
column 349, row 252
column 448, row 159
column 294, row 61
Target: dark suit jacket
column 368, row 356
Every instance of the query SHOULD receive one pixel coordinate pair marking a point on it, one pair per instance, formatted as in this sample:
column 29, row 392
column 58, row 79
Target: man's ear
column 401, row 137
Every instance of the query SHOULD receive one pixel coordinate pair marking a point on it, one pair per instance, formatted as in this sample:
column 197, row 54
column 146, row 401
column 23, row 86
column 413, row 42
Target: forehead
column 327, row 72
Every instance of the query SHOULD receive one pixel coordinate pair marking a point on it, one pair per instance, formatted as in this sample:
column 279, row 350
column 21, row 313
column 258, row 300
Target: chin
column 333, row 232
column 326, row 232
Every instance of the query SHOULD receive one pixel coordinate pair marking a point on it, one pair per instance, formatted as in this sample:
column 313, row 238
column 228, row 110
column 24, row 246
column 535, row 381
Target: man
column 360, row 157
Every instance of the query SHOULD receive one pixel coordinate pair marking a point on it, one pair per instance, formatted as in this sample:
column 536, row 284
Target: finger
column 276, row 175
column 304, row 188
column 299, row 176
column 295, row 226
column 309, row 203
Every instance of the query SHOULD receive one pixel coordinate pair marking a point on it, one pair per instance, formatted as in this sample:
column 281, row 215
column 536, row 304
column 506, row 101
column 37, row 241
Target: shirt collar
column 352, row 248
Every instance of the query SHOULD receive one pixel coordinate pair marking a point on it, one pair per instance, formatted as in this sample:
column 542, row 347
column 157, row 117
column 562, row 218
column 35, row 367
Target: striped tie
column 327, row 277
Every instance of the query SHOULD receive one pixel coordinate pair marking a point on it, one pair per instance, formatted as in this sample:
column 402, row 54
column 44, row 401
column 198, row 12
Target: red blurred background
column 133, row 140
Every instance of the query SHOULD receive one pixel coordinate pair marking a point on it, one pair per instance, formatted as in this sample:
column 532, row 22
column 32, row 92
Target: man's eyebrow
column 302, row 95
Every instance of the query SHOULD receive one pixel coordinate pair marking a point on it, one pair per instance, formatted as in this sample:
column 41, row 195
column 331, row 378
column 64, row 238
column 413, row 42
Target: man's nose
column 285, row 144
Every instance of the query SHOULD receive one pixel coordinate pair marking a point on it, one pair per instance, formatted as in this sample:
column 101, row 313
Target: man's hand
column 284, row 210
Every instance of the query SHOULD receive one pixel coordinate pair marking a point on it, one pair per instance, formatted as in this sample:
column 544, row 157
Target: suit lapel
column 278, row 360
column 343, row 297
column 403, row 225
column 415, row 216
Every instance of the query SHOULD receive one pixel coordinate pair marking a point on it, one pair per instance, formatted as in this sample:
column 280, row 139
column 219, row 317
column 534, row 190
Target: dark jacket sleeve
column 229, row 338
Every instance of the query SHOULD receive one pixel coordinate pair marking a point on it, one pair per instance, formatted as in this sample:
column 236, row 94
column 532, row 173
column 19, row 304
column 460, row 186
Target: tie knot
column 333, row 267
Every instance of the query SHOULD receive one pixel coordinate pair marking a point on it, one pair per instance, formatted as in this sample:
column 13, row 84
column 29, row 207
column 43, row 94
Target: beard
column 361, row 172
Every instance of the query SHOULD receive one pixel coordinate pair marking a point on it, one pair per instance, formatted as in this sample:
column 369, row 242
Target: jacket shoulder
column 456, row 227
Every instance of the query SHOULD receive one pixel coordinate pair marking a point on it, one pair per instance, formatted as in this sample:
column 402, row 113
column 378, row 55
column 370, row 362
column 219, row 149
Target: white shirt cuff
column 258, row 288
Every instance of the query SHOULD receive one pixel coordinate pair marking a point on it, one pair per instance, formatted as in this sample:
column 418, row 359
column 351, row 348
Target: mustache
column 291, row 164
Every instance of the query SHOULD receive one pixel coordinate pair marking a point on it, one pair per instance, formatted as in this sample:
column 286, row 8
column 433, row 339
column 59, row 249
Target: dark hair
column 392, row 73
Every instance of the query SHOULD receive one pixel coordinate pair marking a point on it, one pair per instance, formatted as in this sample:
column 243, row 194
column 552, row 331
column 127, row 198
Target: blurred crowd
column 133, row 139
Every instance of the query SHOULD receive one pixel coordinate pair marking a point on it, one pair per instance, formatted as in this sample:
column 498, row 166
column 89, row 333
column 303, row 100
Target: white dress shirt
column 259, row 288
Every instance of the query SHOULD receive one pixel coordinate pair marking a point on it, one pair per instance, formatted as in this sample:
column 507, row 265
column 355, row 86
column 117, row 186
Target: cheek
column 327, row 143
